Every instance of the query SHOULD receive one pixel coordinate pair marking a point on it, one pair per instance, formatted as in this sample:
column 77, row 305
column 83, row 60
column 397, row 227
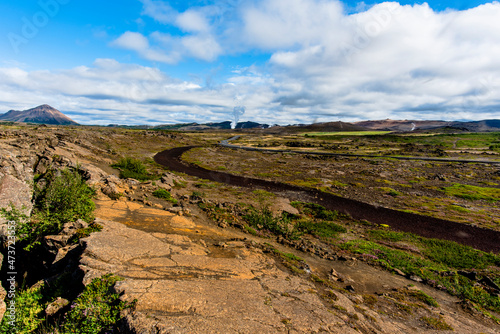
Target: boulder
column 13, row 192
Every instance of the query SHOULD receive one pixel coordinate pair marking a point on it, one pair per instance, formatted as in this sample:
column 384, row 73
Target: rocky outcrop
column 182, row 287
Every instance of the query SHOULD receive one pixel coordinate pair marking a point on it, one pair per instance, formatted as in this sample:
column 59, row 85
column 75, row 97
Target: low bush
column 132, row 168
column 65, row 198
column 264, row 219
column 164, row 194
column 96, row 310
column 317, row 211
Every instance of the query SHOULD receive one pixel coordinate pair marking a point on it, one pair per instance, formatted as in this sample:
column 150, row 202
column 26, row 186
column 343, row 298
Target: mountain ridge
column 43, row 114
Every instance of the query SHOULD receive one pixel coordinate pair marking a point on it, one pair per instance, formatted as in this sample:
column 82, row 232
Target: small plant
column 164, row 194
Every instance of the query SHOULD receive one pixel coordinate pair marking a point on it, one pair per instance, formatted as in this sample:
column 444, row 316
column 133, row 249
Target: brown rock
column 56, row 306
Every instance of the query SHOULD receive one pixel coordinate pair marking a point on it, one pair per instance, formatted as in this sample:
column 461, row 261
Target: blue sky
column 281, row 61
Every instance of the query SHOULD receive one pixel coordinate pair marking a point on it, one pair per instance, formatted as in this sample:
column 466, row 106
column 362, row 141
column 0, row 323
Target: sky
column 270, row 61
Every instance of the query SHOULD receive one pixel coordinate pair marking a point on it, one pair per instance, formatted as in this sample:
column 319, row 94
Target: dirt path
column 479, row 238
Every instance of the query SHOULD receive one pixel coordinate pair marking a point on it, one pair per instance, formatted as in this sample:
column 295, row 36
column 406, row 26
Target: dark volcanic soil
column 483, row 239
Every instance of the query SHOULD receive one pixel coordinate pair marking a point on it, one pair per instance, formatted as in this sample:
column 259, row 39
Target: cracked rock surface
column 181, row 287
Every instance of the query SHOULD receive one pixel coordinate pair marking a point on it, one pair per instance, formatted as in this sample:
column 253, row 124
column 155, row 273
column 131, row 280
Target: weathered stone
column 416, row 278
column 62, row 255
column 13, row 192
column 56, row 306
column 72, row 227
column 472, row 275
column 399, row 272
column 54, row 242
column 280, row 205
column 43, row 165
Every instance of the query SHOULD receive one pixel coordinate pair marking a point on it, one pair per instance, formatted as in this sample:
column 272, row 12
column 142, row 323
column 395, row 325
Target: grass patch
column 473, row 193
column 346, row 133
column 180, row 184
column 422, row 296
column 322, row 229
column 437, row 323
column 291, row 261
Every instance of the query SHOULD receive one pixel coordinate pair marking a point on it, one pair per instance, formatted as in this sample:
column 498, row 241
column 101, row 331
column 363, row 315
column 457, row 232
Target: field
column 306, row 239
column 463, row 192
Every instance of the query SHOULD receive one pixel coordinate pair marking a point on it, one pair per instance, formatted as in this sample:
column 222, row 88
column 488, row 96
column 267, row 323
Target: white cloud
column 161, row 11
column 139, row 43
column 132, row 41
column 193, row 21
column 202, row 47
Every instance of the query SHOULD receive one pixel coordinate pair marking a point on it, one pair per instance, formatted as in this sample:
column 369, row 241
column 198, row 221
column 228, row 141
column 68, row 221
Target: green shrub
column 264, row 219
column 65, row 198
column 132, row 168
column 317, row 211
column 437, row 323
column 197, row 195
column 164, row 194
column 29, row 312
column 180, row 184
column 97, row 309
column 422, row 296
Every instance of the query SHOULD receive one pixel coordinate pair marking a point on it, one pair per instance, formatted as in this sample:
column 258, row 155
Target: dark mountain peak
column 43, row 114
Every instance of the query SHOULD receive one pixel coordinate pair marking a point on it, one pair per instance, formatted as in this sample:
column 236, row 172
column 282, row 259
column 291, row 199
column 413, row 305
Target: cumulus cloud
column 112, row 92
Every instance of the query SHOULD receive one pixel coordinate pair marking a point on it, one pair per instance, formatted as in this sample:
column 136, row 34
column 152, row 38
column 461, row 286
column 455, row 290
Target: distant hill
column 316, row 127
column 43, row 114
column 406, row 125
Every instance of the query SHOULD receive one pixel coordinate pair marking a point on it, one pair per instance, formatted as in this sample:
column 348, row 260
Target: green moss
column 473, row 192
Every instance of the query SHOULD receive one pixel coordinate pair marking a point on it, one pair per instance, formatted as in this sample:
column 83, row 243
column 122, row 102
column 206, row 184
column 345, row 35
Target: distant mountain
column 316, row 127
column 43, row 114
column 406, row 125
